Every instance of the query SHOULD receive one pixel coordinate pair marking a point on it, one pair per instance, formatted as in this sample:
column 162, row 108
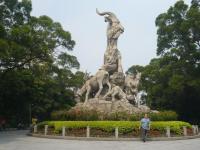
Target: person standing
column 144, row 126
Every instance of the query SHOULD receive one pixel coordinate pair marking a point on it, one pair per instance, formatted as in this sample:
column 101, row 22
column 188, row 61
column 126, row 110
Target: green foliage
column 35, row 68
column 164, row 116
column 172, row 80
column 109, row 126
column 67, row 61
column 91, row 115
column 161, row 116
column 86, row 115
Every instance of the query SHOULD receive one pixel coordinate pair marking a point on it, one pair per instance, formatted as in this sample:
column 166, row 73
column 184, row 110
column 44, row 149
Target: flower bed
column 95, row 132
column 107, row 128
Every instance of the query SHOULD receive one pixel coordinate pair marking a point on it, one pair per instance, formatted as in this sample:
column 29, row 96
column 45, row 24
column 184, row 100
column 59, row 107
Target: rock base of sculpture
column 103, row 106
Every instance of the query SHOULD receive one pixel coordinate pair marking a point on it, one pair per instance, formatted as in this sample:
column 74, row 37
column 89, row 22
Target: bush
column 164, row 116
column 92, row 115
column 109, row 126
column 75, row 115
column 161, row 116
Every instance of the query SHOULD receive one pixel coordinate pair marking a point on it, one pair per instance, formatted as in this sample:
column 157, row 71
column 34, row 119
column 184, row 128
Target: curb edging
column 113, row 138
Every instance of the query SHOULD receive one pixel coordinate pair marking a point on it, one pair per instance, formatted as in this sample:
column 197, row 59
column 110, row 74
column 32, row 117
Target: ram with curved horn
column 111, row 16
column 112, row 56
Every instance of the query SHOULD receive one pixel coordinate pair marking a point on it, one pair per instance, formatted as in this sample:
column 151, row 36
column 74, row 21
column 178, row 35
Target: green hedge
column 109, row 126
column 92, row 115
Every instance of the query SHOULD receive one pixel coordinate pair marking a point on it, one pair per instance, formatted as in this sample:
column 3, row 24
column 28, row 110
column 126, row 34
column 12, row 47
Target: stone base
column 104, row 106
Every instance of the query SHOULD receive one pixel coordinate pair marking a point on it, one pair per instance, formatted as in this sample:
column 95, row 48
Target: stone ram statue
column 112, row 56
column 95, row 83
column 116, row 91
column 132, row 83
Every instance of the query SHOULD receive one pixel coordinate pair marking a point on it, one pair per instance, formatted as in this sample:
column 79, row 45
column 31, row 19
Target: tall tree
column 35, row 66
column 172, row 81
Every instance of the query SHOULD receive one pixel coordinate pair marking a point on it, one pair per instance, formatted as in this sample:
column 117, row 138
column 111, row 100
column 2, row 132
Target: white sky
column 138, row 42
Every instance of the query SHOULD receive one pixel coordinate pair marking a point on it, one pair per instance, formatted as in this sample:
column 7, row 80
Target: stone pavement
column 17, row 140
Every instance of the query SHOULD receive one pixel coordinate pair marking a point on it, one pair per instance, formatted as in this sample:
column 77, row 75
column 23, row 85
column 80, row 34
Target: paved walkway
column 17, row 140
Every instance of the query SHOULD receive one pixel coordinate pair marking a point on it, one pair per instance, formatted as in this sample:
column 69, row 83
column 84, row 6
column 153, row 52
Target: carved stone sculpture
column 132, row 83
column 95, row 83
column 112, row 56
column 118, row 79
column 100, row 95
column 117, row 94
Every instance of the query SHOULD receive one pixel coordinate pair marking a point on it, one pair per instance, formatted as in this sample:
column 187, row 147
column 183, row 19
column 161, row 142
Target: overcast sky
column 138, row 42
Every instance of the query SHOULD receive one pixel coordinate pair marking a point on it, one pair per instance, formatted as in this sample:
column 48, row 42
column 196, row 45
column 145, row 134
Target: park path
column 17, row 140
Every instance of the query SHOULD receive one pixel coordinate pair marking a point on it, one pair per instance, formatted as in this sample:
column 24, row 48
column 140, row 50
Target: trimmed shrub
column 164, row 116
column 160, row 116
column 109, row 126
column 75, row 115
column 93, row 115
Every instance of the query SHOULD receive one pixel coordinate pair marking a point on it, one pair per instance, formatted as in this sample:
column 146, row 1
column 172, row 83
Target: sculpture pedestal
column 103, row 106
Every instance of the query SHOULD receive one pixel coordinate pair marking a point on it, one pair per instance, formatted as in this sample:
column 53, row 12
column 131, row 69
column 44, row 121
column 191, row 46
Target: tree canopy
column 172, row 79
column 35, row 64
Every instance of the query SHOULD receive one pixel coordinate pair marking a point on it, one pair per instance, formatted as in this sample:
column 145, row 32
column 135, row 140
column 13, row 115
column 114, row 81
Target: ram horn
column 103, row 13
